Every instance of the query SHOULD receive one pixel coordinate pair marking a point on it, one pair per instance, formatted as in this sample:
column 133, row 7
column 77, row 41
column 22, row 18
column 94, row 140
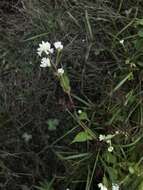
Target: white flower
column 108, row 141
column 121, row 42
column 51, row 50
column 102, row 137
column 105, row 138
column 58, row 45
column 44, row 47
column 45, row 62
column 115, row 186
column 61, row 71
column 79, row 111
column 27, row 137
column 102, row 187
column 117, row 132
column 110, row 148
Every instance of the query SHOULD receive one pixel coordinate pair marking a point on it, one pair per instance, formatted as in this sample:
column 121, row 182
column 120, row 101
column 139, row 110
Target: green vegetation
column 80, row 128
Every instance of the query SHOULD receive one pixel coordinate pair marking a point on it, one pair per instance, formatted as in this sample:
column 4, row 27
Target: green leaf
column 138, row 44
column 82, row 137
column 130, row 98
column 139, row 22
column 105, row 181
column 110, row 158
column 83, row 116
column 113, row 174
column 131, row 170
column 140, row 186
column 45, row 185
column 140, row 33
column 65, row 83
column 52, row 124
column 128, row 77
column 140, row 64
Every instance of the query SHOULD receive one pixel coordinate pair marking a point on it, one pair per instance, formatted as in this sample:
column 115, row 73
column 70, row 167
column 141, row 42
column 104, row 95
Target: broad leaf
column 65, row 83
column 139, row 22
column 82, row 137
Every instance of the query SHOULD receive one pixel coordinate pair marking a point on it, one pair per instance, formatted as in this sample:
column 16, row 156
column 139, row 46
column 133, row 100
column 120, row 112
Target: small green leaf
column 105, row 181
column 140, row 33
column 140, row 64
column 138, row 43
column 130, row 98
column 82, row 137
column 52, row 124
column 83, row 116
column 113, row 174
column 65, row 83
column 45, row 185
column 139, row 22
column 110, row 158
column 131, row 170
column 128, row 77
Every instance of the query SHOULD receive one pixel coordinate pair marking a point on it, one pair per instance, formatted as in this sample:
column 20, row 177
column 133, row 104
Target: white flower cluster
column 102, row 186
column 58, row 46
column 107, row 139
column 45, row 62
column 61, row 71
column 45, row 47
column 115, row 186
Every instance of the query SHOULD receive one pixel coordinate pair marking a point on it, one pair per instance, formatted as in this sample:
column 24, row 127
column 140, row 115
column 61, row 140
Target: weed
column 85, row 117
